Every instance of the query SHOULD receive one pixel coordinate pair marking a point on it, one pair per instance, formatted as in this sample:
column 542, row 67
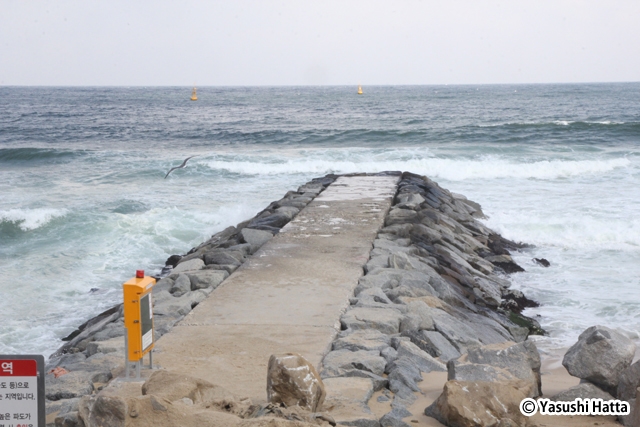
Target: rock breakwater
column 434, row 289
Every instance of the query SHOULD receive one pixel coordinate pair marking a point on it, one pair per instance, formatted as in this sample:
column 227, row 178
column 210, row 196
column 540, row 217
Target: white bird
column 184, row 163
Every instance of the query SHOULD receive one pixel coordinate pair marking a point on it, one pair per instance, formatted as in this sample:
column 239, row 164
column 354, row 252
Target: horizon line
column 315, row 85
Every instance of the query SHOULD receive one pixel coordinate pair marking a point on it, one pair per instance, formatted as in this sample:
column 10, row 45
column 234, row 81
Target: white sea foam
column 574, row 230
column 485, row 167
column 30, row 219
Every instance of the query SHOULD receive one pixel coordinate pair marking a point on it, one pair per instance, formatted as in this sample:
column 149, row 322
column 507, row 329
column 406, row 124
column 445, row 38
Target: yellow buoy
column 194, row 97
column 359, row 90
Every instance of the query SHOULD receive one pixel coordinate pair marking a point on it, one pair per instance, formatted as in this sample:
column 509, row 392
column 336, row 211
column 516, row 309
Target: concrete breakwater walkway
column 288, row 297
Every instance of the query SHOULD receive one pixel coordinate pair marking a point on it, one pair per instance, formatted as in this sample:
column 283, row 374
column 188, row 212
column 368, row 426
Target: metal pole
column 151, row 359
column 138, row 369
column 126, row 353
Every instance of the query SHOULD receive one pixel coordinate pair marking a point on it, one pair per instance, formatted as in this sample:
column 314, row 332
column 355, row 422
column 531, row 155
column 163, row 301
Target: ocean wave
column 571, row 123
column 30, row 219
column 33, row 154
column 570, row 231
column 488, row 167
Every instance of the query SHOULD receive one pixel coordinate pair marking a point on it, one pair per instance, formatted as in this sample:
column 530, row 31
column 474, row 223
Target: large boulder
column 386, row 320
column 174, row 387
column 151, row 410
column 581, row 391
column 478, row 404
column 190, row 265
column 506, row 361
column 96, row 411
column 206, row 278
column 181, row 285
column 600, row 356
column 292, row 380
column 629, row 382
column 635, row 417
column 336, row 362
column 275, row 220
column 418, row 317
column 423, row 360
column 255, row 238
column 347, row 399
column 628, row 390
column 433, row 343
column 456, row 331
column 363, row 339
column 223, row 258
column 69, row 385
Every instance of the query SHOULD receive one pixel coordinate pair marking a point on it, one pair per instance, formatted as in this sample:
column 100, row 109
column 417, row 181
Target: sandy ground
column 555, row 379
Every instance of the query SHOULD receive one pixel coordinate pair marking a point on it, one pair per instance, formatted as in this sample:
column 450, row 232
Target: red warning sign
column 21, row 391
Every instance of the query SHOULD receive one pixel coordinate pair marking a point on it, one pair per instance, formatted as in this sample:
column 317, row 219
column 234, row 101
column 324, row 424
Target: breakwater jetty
column 367, row 281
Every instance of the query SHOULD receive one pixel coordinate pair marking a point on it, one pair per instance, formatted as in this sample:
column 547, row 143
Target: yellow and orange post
column 138, row 320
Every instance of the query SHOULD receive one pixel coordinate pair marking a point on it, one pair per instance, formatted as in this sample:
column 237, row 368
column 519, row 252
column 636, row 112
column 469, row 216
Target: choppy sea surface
column 84, row 202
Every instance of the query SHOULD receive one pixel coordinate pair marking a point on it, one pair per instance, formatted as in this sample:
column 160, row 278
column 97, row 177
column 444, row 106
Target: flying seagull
column 184, row 163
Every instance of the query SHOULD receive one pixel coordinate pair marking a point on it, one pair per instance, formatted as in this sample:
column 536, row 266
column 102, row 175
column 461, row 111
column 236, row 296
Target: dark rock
column 509, row 267
column 89, row 328
column 526, row 322
column 501, row 246
column 516, row 301
column 543, row 262
column 173, row 260
column 275, row 220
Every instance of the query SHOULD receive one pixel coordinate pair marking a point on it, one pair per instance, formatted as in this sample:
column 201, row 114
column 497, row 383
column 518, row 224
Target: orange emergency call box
column 138, row 315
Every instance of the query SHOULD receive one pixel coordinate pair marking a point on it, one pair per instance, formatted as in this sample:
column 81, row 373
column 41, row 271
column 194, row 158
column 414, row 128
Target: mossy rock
column 526, row 322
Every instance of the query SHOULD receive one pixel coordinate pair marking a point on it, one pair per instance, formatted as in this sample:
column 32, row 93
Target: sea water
column 84, row 201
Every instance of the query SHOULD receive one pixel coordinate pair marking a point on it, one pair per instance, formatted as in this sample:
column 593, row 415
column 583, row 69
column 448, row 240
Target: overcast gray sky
column 289, row 42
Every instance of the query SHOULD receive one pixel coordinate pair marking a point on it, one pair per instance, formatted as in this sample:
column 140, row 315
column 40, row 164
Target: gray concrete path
column 288, row 297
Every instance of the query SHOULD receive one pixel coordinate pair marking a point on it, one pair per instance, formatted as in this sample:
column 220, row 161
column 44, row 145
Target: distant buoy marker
column 360, row 90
